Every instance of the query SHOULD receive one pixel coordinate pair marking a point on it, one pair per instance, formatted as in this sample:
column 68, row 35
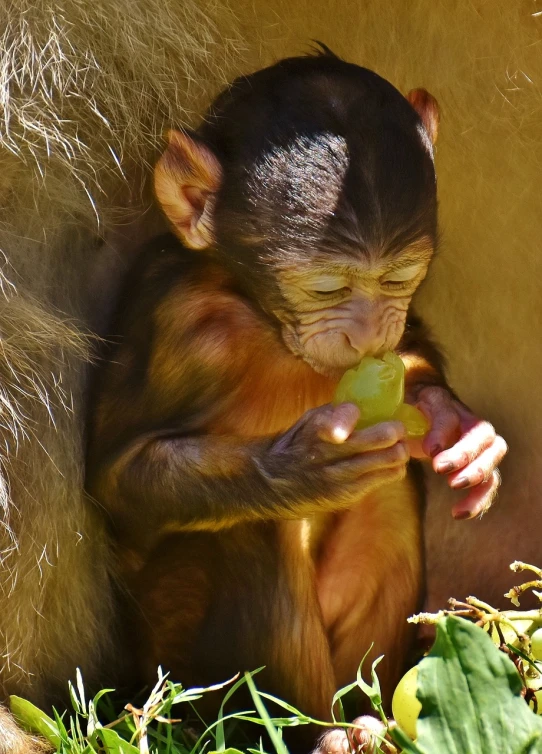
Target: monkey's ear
column 427, row 108
column 186, row 179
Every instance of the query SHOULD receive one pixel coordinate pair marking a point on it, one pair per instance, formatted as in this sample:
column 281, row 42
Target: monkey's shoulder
column 162, row 265
column 180, row 307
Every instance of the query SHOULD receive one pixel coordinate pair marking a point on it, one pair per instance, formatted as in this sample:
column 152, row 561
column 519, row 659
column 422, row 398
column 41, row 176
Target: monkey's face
column 333, row 315
column 332, row 250
column 313, row 184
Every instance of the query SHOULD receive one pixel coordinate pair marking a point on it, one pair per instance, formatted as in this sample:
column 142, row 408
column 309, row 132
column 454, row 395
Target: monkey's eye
column 328, row 287
column 402, row 277
column 336, row 292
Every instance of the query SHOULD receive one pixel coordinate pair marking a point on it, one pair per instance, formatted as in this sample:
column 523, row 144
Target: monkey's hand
column 462, row 447
column 323, row 457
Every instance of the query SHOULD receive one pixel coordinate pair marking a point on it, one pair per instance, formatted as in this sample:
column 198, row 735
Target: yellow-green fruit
column 405, row 706
column 535, row 684
column 536, row 644
column 510, row 636
column 377, row 387
column 416, row 424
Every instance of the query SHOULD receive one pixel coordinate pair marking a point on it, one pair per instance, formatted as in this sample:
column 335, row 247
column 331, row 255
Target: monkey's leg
column 218, row 604
column 369, row 575
column 172, row 595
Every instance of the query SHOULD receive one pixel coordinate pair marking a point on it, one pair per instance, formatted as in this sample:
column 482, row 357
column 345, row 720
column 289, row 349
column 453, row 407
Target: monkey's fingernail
column 339, row 434
column 461, row 482
column 445, row 467
column 435, row 450
column 462, row 515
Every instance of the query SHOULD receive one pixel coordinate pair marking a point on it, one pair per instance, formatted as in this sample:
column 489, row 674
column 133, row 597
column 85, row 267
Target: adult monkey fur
column 306, row 208
column 85, row 94
column 481, row 60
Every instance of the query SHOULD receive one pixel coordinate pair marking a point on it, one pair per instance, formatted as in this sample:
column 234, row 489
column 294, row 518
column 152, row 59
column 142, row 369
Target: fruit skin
column 533, row 630
column 377, row 387
column 405, row 706
column 536, row 644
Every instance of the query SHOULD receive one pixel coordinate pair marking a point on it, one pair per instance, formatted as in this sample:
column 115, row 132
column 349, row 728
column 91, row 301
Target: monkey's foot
column 363, row 739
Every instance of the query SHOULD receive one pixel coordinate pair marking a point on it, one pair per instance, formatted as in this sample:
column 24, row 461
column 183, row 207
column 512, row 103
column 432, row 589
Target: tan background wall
column 483, row 62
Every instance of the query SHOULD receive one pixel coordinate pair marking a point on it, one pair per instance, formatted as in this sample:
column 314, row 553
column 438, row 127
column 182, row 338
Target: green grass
column 168, row 721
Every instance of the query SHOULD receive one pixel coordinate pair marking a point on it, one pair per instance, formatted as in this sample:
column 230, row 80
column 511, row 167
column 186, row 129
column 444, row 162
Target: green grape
column 536, row 685
column 405, row 706
column 509, row 635
column 377, row 387
column 536, row 644
column 415, row 422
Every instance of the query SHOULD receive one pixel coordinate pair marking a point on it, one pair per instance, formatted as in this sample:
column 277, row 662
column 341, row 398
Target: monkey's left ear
column 427, row 108
column 186, row 179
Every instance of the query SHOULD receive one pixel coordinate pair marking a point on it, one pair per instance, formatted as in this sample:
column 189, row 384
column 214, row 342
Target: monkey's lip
column 326, row 370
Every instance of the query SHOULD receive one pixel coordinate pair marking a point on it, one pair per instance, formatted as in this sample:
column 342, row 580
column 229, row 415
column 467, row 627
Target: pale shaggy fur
column 86, row 91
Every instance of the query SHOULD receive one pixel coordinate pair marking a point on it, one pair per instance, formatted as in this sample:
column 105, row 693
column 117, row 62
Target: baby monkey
column 256, row 525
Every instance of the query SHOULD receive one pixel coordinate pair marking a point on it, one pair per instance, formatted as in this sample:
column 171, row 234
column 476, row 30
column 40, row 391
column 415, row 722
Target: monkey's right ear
column 186, row 179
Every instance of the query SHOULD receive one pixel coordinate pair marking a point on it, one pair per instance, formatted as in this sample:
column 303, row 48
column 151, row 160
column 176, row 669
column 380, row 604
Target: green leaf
column 373, row 692
column 337, row 698
column 273, row 733
column 470, row 696
column 533, row 746
column 81, row 690
column 401, row 738
column 226, row 751
column 32, row 719
column 280, row 703
column 114, row 744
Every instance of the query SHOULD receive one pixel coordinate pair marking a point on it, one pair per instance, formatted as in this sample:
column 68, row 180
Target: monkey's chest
column 272, row 396
column 269, row 400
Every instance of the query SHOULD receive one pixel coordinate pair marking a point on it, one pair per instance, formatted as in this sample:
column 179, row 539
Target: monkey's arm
column 463, row 447
column 424, row 363
column 169, row 482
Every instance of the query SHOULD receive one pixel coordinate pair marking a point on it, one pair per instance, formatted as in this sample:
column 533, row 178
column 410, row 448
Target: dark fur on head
column 323, row 153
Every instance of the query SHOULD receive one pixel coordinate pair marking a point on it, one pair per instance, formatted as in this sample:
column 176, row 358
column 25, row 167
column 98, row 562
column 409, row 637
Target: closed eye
column 334, row 292
column 402, row 275
column 401, row 278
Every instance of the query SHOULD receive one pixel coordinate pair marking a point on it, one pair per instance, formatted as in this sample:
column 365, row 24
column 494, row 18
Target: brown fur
column 482, row 62
column 84, row 99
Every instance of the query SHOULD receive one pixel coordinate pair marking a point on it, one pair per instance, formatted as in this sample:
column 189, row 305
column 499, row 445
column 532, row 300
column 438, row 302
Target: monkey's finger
column 334, row 424
column 372, row 481
column 471, row 444
column 378, row 437
column 481, row 469
column 479, row 499
column 365, row 463
column 367, row 734
column 445, row 429
column 439, row 407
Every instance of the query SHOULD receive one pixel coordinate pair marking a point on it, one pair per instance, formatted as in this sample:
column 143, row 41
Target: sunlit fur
column 482, row 61
column 85, row 93
column 233, row 547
